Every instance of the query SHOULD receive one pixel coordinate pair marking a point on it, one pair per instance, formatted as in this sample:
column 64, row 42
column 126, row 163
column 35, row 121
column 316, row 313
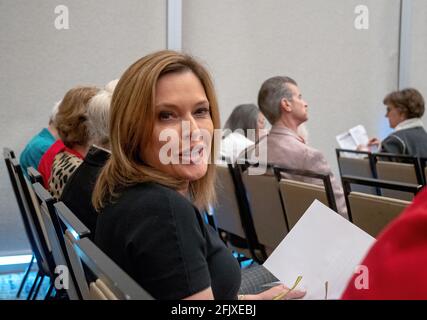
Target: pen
column 284, row 294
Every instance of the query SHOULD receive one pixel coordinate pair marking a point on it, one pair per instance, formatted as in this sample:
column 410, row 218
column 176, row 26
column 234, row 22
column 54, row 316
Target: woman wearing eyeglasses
column 404, row 111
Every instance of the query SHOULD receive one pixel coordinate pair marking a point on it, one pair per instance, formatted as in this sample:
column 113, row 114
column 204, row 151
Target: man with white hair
column 36, row 148
column 281, row 102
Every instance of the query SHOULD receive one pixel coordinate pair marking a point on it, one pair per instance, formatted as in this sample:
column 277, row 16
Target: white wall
column 342, row 72
column 39, row 64
column 418, row 38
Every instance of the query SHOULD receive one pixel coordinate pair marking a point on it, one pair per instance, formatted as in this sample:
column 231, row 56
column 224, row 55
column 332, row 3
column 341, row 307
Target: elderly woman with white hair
column 78, row 190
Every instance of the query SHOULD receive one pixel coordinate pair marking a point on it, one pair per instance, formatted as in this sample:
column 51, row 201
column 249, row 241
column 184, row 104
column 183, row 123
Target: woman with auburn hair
column 66, row 154
column 405, row 109
column 77, row 194
column 160, row 173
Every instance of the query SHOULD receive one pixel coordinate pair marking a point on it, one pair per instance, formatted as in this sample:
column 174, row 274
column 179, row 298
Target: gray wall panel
column 39, row 63
column 418, row 61
column 342, row 72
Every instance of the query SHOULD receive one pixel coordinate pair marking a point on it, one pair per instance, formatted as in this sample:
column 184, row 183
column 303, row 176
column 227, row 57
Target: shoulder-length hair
column 132, row 118
column 71, row 119
column 409, row 101
column 244, row 117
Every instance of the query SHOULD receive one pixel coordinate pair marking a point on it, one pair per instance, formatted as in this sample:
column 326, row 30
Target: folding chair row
column 107, row 280
column 90, row 273
column 34, row 228
column 372, row 213
column 55, row 233
column 384, row 166
column 267, row 205
column 299, row 195
column 53, row 225
column 279, row 198
column 232, row 214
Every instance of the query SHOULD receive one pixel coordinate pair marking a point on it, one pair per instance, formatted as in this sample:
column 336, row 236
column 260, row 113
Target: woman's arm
column 277, row 291
column 269, row 294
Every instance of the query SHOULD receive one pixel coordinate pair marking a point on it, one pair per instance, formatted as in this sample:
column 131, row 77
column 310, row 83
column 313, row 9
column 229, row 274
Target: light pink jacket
column 285, row 148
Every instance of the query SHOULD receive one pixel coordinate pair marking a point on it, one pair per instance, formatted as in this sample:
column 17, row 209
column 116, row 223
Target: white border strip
column 174, row 25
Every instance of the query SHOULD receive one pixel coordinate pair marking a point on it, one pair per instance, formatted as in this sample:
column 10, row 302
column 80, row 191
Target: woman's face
column 394, row 115
column 183, row 129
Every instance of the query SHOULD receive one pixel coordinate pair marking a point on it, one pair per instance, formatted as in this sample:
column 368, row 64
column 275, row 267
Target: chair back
column 232, row 213
column 55, row 237
column 298, row 196
column 372, row 212
column 399, row 172
column 107, row 281
column 8, row 156
column 30, row 215
column 34, row 175
column 266, row 207
column 399, row 168
column 359, row 164
column 72, row 230
column 226, row 210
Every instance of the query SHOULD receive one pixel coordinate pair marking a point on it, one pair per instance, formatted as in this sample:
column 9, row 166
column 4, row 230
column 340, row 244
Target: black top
column 158, row 237
column 77, row 194
column 412, row 142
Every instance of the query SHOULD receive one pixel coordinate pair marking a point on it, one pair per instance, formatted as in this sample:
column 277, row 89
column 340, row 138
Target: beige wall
column 343, row 72
column 418, row 38
column 39, row 63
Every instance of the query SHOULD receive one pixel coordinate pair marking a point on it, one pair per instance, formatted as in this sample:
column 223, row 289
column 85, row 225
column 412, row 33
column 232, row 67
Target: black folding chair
column 299, row 188
column 72, row 229
column 324, row 178
column 403, row 168
column 96, row 275
column 8, row 156
column 34, row 175
column 32, row 224
column 260, row 189
column 232, row 214
column 107, row 281
column 373, row 212
column 54, row 231
column 357, row 163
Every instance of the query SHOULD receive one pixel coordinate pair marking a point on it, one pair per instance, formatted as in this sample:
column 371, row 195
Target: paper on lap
column 322, row 246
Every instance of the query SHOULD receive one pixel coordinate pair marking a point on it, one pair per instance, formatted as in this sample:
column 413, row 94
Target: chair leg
column 49, row 292
column 34, row 285
column 24, row 279
column 38, row 288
